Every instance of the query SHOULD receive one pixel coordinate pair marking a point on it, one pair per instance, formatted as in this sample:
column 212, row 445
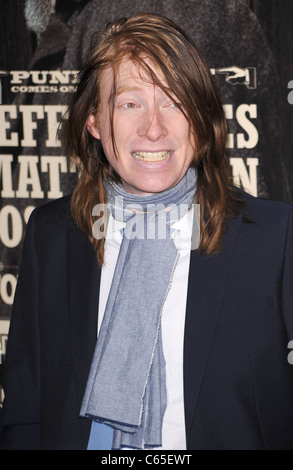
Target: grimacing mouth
column 152, row 156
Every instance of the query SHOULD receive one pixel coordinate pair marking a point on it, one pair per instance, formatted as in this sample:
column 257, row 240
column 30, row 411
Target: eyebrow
column 127, row 89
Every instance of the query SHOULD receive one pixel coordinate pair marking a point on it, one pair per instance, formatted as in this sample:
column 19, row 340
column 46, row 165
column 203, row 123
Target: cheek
column 188, row 145
column 105, row 133
column 192, row 145
column 106, row 138
column 180, row 129
column 108, row 150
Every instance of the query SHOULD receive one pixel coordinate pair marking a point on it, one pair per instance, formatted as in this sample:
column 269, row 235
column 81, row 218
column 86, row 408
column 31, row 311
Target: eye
column 129, row 105
column 177, row 106
column 174, row 105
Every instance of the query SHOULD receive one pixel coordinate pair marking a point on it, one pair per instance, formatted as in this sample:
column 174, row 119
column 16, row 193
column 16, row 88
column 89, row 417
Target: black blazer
column 238, row 383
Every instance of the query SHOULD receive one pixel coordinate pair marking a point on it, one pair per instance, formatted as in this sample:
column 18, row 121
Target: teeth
column 151, row 156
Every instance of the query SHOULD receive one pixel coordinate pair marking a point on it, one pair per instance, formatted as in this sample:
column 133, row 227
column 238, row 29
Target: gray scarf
column 126, row 387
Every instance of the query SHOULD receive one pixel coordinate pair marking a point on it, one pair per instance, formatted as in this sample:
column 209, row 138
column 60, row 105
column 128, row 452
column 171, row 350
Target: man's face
column 152, row 135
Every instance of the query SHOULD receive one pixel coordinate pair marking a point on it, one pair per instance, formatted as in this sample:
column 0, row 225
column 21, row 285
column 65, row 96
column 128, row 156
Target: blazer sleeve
column 20, row 417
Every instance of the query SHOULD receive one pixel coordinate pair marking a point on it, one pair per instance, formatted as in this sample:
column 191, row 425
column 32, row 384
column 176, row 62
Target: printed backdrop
column 248, row 45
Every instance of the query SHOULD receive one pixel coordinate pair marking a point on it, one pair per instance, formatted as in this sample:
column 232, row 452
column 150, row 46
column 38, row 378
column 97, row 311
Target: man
column 192, row 344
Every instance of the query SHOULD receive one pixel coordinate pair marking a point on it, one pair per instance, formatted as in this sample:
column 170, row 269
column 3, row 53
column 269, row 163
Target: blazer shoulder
column 50, row 218
column 56, row 208
column 262, row 210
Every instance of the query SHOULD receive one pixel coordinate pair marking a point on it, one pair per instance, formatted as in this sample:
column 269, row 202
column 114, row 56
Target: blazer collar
column 206, row 287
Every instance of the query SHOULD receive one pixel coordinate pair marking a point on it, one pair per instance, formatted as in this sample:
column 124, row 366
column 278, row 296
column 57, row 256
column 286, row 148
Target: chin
column 151, row 185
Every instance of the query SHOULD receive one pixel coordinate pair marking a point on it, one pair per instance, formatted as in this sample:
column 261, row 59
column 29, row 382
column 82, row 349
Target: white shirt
column 173, row 323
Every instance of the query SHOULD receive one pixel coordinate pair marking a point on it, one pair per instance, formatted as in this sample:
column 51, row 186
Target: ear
column 92, row 127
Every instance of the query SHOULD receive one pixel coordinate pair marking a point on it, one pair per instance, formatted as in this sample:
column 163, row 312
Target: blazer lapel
column 207, row 280
column 83, row 292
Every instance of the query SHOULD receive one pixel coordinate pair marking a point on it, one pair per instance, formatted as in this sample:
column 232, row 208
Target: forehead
column 130, row 75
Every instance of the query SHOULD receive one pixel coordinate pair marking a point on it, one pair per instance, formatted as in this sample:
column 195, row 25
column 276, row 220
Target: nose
column 152, row 126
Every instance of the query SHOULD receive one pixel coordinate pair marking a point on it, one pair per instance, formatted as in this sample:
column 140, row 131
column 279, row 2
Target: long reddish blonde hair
column 187, row 76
